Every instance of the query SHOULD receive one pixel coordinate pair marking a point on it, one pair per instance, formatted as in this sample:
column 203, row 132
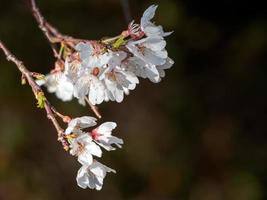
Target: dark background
column 200, row 134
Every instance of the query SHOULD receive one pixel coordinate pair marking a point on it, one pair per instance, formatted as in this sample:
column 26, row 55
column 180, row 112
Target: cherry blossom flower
column 87, row 80
column 142, row 69
column 117, row 80
column 83, row 147
column 102, row 136
column 76, row 124
column 151, row 50
column 150, row 56
column 73, row 67
column 65, row 89
column 92, row 59
column 92, row 176
column 57, row 83
column 91, row 86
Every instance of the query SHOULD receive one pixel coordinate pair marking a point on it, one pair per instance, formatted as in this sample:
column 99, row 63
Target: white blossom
column 142, row 69
column 90, row 58
column 87, row 81
column 100, row 73
column 73, row 68
column 150, row 49
column 65, row 89
column 89, row 85
column 83, row 147
column 149, row 28
column 102, row 136
column 85, row 51
column 76, row 124
column 150, row 57
column 92, row 176
column 58, row 83
column 117, row 80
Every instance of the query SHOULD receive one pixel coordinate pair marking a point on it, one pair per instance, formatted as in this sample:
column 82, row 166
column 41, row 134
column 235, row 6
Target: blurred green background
column 200, row 134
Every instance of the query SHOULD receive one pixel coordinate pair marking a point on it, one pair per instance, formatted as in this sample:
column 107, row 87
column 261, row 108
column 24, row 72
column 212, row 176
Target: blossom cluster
column 86, row 144
column 105, row 70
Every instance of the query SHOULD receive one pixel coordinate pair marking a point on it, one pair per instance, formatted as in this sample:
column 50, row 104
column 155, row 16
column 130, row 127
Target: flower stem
column 93, row 107
column 109, row 40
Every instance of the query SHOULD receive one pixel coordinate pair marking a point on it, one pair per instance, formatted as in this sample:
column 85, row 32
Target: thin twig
column 54, row 36
column 35, row 89
column 43, row 26
column 51, row 33
column 93, row 108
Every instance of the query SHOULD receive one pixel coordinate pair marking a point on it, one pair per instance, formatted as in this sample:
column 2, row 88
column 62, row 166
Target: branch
column 54, row 36
column 43, row 26
column 51, row 33
column 36, row 90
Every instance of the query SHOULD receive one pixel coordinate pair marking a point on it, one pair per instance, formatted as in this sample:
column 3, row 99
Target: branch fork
column 54, row 37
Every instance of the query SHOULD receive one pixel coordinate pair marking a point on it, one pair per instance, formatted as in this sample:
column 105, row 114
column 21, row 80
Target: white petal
column 92, row 181
column 96, row 92
column 117, row 93
column 40, row 82
column 142, row 69
column 106, row 142
column 85, row 158
column 162, row 54
column 169, row 63
column 152, row 30
column 71, row 126
column 84, row 139
column 147, row 55
column 64, row 90
column 155, row 43
column 106, row 146
column 81, row 87
column 52, row 81
column 82, row 177
column 149, row 28
column 87, row 121
column 103, row 59
column 82, row 101
column 127, row 79
column 148, row 15
column 106, row 127
column 152, row 73
column 115, row 140
column 153, row 57
column 85, row 49
column 94, row 149
column 126, row 91
column 100, row 170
